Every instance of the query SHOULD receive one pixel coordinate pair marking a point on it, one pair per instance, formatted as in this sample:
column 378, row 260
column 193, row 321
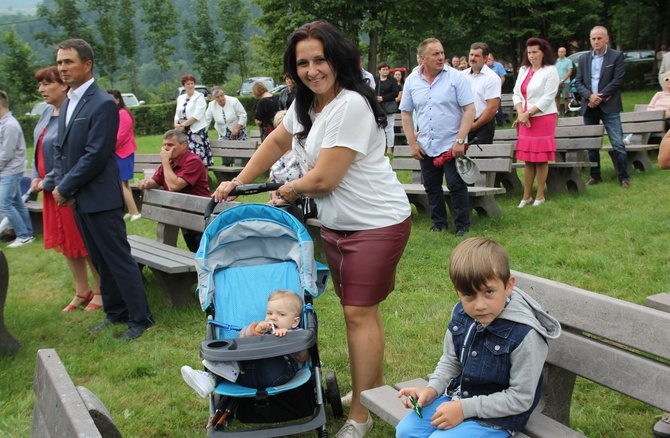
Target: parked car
column 249, row 82
column 278, row 89
column 131, row 100
column 639, row 56
column 37, row 109
column 199, row 88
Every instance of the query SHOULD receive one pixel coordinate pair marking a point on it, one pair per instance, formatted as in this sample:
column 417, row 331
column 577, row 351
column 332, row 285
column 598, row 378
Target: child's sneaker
column 202, row 382
column 227, row 370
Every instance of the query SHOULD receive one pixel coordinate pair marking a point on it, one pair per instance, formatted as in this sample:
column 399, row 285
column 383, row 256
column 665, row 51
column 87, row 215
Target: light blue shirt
column 596, row 67
column 563, row 65
column 499, row 69
column 438, row 106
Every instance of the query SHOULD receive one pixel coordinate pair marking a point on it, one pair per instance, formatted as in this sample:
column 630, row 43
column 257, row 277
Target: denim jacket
column 485, row 353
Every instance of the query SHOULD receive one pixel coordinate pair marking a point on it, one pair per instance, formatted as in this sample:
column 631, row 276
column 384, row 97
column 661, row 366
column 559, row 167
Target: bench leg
column 557, row 393
column 564, row 179
column 509, row 181
column 177, row 288
column 485, row 206
column 639, row 160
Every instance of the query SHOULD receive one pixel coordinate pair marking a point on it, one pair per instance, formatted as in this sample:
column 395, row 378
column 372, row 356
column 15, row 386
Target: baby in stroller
column 283, row 312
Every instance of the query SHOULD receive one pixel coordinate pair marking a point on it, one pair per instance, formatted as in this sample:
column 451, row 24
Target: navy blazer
column 84, row 161
column 611, row 81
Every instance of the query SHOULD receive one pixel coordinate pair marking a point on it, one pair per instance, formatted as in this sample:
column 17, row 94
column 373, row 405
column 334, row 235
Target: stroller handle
column 245, row 189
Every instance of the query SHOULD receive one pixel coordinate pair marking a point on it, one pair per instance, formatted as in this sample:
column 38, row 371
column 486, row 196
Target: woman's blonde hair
column 475, row 261
column 279, row 116
column 259, row 89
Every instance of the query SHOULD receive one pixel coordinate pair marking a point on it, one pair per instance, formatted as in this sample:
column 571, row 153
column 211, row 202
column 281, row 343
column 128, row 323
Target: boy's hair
column 4, row 100
column 475, row 261
column 295, row 300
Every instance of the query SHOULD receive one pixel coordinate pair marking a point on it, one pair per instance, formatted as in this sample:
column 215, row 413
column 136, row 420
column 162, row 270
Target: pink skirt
column 537, row 144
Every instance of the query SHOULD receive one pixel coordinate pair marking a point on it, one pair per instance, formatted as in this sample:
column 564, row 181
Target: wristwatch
column 460, row 141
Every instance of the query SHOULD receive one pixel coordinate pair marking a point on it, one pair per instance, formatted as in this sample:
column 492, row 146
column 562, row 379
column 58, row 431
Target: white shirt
column 485, row 86
column 370, row 195
column 75, row 96
column 235, row 114
column 196, row 108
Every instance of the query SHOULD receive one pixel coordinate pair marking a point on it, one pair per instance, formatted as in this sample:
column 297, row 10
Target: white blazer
column 195, row 107
column 541, row 92
column 235, row 115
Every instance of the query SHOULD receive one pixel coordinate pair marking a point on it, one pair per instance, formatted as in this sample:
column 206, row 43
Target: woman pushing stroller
column 336, row 127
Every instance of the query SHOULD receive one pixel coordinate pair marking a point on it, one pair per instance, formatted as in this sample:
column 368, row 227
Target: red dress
column 59, row 228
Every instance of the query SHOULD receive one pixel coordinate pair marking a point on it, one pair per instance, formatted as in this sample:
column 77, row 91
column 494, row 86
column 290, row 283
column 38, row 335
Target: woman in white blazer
column 534, row 100
column 190, row 118
column 230, row 117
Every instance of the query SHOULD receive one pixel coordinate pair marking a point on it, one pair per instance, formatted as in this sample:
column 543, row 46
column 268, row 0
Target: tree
column 156, row 14
column 107, row 52
column 234, row 17
column 204, row 42
column 64, row 15
column 17, row 73
column 127, row 37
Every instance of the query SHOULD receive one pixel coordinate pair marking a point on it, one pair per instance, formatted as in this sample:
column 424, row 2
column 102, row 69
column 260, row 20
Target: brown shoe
column 593, row 181
column 625, row 184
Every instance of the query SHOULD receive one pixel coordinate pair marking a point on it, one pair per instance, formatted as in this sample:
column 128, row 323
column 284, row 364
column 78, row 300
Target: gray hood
column 525, row 310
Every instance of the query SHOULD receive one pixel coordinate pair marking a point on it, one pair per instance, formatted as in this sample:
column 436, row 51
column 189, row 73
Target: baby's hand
column 280, row 332
column 264, row 326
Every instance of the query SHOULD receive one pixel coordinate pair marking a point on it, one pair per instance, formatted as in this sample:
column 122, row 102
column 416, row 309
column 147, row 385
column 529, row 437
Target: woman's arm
column 664, row 152
column 241, row 113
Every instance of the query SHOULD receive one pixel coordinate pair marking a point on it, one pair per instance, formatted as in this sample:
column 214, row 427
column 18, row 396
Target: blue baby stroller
column 245, row 254
column 576, row 102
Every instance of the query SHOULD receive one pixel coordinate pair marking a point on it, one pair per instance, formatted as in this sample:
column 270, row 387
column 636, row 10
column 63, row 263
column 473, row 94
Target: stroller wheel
column 333, row 395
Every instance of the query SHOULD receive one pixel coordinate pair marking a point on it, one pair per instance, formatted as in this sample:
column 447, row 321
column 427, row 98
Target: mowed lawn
column 607, row 240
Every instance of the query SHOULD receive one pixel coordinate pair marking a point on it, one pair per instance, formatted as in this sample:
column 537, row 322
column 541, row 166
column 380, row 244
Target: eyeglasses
column 417, row 408
column 666, row 79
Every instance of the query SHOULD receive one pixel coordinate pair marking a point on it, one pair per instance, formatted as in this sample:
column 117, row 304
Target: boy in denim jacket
column 489, row 378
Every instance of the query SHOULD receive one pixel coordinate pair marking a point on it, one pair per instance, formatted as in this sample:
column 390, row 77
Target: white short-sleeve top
column 370, row 195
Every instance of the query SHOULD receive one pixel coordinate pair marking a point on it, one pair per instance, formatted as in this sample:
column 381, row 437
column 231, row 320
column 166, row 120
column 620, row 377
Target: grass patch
column 607, row 240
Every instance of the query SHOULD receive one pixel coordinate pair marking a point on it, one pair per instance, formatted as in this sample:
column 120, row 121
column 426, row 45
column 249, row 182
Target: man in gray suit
column 87, row 177
column 599, row 80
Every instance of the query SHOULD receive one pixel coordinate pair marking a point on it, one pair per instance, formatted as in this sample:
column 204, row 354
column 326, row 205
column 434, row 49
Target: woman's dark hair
column 549, row 57
column 343, row 58
column 402, row 76
column 48, row 74
column 122, row 105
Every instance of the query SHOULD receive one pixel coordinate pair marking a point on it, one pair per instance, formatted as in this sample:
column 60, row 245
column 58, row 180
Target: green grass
column 607, row 240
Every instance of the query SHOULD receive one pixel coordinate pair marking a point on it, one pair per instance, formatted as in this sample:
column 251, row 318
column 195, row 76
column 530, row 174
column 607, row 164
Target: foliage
column 107, row 53
column 15, row 59
column 67, row 16
column 202, row 39
column 127, row 36
column 156, row 14
column 233, row 17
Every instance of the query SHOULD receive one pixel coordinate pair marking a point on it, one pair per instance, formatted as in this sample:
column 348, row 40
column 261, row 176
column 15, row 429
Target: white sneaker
column 346, row 399
column 126, row 216
column 20, row 242
column 202, row 382
column 538, row 202
column 227, row 370
column 525, row 202
column 352, row 429
column 134, row 217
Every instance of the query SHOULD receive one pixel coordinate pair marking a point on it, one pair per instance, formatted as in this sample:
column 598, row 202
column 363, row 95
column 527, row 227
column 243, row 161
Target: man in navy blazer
column 599, row 80
column 87, row 178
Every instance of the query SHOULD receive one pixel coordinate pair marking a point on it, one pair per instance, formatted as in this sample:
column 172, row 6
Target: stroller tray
column 256, row 347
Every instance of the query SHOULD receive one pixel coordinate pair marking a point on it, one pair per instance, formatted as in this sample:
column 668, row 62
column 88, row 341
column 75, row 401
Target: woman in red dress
column 60, row 229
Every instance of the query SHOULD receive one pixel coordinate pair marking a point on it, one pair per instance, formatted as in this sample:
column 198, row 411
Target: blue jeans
column 13, row 207
column 266, row 373
column 458, row 191
column 414, row 427
column 612, row 123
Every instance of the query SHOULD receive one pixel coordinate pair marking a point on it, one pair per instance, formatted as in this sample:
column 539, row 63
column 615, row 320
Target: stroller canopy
column 251, row 235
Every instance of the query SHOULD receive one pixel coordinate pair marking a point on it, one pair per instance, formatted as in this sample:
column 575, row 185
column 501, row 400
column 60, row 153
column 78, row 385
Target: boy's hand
column 264, row 327
column 424, row 396
column 280, row 332
column 448, row 415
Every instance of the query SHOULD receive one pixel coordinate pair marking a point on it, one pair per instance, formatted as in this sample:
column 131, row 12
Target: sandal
column 92, row 305
column 78, row 301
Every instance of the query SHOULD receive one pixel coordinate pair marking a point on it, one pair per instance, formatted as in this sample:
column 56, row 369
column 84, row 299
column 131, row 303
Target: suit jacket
column 84, row 160
column 611, row 81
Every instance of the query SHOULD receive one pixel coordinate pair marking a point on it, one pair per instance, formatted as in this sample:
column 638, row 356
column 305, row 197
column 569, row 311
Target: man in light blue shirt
column 564, row 67
column 444, row 104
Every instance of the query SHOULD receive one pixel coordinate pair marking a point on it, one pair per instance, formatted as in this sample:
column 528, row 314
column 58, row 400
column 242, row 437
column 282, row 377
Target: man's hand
column 417, row 151
column 60, row 200
column 595, row 99
column 457, row 150
column 165, row 154
column 36, row 185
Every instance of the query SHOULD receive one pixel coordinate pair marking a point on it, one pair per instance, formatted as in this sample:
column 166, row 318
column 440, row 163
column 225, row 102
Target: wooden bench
column 63, row 410
column 613, row 343
column 173, row 268
column 643, row 125
column 237, row 152
column 490, row 160
column 572, row 146
column 507, row 107
column 145, row 166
